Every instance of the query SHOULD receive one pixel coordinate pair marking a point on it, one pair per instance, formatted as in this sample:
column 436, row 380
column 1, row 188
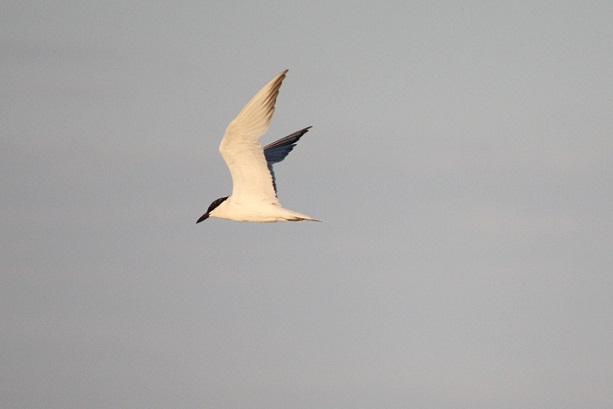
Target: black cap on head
column 211, row 208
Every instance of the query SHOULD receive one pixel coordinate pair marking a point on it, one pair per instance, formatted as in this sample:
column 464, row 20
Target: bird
column 254, row 192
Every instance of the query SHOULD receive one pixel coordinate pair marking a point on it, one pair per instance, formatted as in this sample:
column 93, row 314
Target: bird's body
column 256, row 212
column 254, row 197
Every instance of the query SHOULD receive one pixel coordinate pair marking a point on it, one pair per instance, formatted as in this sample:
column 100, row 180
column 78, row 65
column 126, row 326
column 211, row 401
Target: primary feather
column 277, row 151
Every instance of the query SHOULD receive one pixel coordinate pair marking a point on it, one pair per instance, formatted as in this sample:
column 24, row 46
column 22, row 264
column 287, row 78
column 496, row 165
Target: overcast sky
column 461, row 157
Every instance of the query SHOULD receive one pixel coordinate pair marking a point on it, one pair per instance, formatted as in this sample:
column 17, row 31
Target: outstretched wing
column 277, row 151
column 242, row 151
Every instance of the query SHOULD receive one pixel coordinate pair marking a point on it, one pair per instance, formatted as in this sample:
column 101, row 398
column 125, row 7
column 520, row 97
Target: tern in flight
column 254, row 192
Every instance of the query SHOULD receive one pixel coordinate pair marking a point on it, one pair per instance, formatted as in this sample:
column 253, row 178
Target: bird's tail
column 297, row 217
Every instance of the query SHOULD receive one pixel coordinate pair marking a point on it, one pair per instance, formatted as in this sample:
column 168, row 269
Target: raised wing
column 277, row 151
column 242, row 151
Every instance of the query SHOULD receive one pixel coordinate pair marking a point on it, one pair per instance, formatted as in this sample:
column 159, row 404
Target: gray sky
column 460, row 157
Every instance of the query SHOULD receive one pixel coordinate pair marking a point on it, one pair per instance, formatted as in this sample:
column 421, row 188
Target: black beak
column 203, row 217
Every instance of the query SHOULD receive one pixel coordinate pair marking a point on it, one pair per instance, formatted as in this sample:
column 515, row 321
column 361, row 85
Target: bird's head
column 212, row 207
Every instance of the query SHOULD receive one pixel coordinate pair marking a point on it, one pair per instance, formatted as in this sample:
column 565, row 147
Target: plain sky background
column 461, row 158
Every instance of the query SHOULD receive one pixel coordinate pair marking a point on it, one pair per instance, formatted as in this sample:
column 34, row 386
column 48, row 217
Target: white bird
column 254, row 193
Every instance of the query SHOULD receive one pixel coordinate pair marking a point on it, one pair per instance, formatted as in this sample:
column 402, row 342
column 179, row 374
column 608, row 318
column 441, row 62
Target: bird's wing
column 242, row 150
column 277, row 151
